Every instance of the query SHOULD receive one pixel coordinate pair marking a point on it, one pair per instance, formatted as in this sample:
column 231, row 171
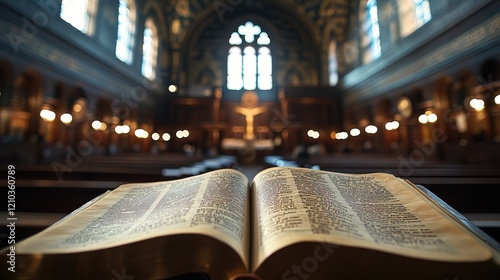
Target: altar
column 241, row 144
column 245, row 139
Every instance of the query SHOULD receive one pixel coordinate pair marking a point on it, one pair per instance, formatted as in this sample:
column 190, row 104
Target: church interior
column 94, row 94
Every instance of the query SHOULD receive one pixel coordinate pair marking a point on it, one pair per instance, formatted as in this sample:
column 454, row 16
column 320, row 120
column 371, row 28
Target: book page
column 374, row 211
column 213, row 204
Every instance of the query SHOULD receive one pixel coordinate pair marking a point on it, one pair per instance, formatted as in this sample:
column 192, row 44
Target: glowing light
column 122, row 129
column 371, row 129
column 392, row 125
column 141, row 133
column 313, row 134
column 427, row 117
column 182, row 133
column 155, row 136
column 125, row 129
column 96, row 125
column 165, row 136
column 66, row 118
column 423, row 119
column 341, row 135
column 477, row 104
column 355, row 132
column 47, row 115
column 77, row 107
column 172, row 88
column 497, row 99
column 138, row 133
column 432, row 118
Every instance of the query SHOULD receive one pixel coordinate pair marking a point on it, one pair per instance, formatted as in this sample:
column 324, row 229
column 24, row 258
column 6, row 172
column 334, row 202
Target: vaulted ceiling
column 320, row 16
column 307, row 24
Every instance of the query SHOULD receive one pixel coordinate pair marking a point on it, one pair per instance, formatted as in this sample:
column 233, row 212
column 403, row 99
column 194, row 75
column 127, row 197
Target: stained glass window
column 372, row 29
column 234, row 69
column 79, row 13
column 333, row 64
column 422, row 11
column 412, row 15
column 249, row 61
column 149, row 50
column 126, row 31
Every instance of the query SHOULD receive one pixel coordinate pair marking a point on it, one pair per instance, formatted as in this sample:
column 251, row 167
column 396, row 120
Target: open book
column 288, row 223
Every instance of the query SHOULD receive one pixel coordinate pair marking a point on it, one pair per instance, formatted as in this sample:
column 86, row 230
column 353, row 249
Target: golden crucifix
column 249, row 100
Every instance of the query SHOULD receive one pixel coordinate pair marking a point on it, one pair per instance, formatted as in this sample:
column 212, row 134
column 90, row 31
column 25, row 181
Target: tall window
column 249, row 62
column 412, row 15
column 333, row 64
column 80, row 14
column 149, row 50
column 126, row 31
column 372, row 30
column 422, row 12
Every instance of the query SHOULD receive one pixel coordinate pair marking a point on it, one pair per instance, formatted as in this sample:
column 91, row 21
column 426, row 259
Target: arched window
column 149, row 50
column 372, row 31
column 412, row 15
column 80, row 14
column 249, row 61
column 126, row 31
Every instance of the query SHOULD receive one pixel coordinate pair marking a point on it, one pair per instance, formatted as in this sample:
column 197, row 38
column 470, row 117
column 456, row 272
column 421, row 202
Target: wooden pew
column 134, row 168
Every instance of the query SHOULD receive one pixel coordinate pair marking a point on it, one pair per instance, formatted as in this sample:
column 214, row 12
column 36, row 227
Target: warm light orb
column 392, row 125
column 118, row 129
column 497, row 99
column 185, row 133
column 155, row 136
column 47, row 115
column 122, row 129
column 172, row 88
column 355, row 132
column 165, row 136
column 423, row 119
column 432, row 118
column 96, row 125
column 477, row 104
column 141, row 133
column 371, row 129
column 77, row 107
column 66, row 118
column 315, row 135
column 125, row 129
column 341, row 135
